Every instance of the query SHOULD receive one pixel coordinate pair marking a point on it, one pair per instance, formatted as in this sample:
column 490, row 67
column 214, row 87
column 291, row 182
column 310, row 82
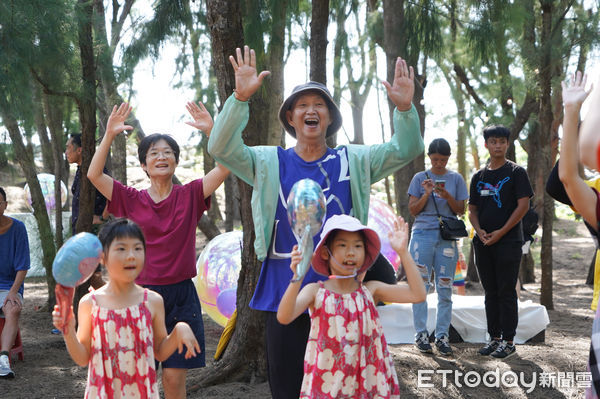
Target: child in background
column 347, row 355
column 122, row 325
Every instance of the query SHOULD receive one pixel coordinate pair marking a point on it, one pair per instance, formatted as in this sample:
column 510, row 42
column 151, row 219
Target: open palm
column 202, row 119
column 246, row 79
column 402, row 89
column 575, row 93
column 399, row 235
column 116, row 120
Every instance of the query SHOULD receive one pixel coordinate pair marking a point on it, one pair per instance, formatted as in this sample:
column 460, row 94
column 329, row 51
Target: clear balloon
column 306, row 207
column 218, row 269
column 77, row 259
column 47, row 185
column 381, row 217
column 306, row 211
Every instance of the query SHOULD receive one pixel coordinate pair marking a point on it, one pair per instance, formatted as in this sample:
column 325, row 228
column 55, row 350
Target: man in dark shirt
column 498, row 200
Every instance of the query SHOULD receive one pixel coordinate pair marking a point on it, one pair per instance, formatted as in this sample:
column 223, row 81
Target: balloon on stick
column 306, row 213
column 74, row 263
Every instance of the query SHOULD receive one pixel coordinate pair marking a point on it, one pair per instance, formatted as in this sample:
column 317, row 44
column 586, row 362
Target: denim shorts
column 182, row 304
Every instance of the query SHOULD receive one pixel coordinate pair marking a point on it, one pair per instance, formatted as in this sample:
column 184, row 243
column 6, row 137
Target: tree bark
column 244, row 359
column 54, row 112
column 472, row 274
column 318, row 41
column 41, row 129
column 546, row 118
column 318, row 49
column 86, row 105
column 526, row 269
column 25, row 160
column 106, row 76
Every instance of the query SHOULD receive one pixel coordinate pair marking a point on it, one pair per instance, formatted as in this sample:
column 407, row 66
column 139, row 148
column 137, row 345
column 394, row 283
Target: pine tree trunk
column 25, row 160
column 472, row 274
column 527, row 269
column 318, row 48
column 53, row 107
column 86, row 105
column 40, row 127
column 546, row 119
column 106, row 76
column 318, row 41
column 244, row 359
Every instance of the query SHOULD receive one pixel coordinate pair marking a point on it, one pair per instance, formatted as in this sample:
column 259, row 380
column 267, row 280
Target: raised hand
column 246, row 80
column 402, row 89
column 575, row 93
column 202, row 119
column 116, row 120
column 399, row 235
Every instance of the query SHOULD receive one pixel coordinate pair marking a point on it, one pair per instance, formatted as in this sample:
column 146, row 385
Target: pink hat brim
column 347, row 223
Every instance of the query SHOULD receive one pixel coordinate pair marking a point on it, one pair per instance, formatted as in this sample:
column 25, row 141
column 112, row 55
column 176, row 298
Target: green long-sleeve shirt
column 259, row 166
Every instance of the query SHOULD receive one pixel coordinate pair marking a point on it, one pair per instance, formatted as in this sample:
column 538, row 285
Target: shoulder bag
column 450, row 228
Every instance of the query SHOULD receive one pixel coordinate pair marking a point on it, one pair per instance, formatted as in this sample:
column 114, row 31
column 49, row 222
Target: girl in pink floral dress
column 347, row 355
column 122, row 325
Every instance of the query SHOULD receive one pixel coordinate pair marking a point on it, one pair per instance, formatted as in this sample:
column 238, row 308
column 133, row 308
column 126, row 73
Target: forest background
column 65, row 63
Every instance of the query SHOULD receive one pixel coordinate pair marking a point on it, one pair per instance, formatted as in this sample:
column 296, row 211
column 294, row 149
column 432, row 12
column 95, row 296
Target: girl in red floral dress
column 122, row 325
column 347, row 355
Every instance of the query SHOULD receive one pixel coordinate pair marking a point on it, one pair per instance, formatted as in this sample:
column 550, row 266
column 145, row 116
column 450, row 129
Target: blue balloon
column 77, row 259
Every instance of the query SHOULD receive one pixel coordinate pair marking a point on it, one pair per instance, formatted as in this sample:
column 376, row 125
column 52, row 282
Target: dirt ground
column 553, row 366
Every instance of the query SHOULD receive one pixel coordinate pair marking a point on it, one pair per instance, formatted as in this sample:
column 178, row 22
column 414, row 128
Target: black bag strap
column 434, row 203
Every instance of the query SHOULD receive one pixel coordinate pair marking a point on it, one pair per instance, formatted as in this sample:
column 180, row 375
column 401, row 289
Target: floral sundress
column 122, row 353
column 347, row 355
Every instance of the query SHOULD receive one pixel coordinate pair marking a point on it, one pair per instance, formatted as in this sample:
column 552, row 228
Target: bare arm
column 78, row 343
column 213, row 179
column 416, row 205
column 12, row 298
column 181, row 336
column 590, row 133
column 582, row 197
column 14, row 289
column 415, row 291
column 295, row 301
column 114, row 126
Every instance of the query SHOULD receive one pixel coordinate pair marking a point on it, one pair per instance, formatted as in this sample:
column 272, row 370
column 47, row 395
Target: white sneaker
column 5, row 371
